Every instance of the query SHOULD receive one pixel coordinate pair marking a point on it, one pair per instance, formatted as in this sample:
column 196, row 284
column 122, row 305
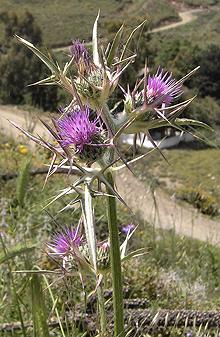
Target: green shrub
column 199, row 198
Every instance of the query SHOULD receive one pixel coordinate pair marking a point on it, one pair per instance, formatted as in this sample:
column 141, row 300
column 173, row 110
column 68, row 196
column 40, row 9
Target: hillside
column 64, row 20
column 203, row 31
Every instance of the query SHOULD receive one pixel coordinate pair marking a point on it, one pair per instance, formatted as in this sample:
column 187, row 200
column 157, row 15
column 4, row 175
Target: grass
column 187, row 168
column 196, row 3
column 62, row 21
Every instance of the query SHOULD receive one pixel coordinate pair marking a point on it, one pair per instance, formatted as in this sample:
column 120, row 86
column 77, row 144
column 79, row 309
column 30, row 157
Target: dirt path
column 186, row 17
column 169, row 214
column 22, row 118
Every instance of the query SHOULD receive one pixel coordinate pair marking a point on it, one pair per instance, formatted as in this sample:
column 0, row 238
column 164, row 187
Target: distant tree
column 168, row 52
column 181, row 56
column 19, row 67
column 207, row 81
column 204, row 109
column 178, row 56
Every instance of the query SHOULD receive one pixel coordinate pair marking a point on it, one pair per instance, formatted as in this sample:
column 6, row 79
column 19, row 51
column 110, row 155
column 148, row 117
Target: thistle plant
column 85, row 139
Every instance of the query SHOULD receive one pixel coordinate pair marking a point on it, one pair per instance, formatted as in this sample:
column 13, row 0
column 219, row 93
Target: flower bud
column 103, row 256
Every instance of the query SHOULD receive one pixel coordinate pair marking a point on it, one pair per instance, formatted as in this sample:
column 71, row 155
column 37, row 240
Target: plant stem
column 89, row 224
column 118, row 305
column 102, row 313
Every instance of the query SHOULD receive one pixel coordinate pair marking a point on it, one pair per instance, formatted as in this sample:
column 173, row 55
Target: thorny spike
column 53, row 133
column 155, row 146
column 50, row 168
column 145, row 84
column 115, row 193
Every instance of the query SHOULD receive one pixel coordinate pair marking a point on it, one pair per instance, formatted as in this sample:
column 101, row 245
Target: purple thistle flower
column 77, row 129
column 128, row 228
column 81, row 56
column 65, row 242
column 162, row 87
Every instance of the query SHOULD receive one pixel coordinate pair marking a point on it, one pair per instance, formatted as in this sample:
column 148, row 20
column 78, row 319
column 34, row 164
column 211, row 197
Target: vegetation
column 200, row 199
column 196, row 3
column 169, row 49
column 18, row 66
column 62, row 21
column 177, row 272
column 200, row 32
column 199, row 181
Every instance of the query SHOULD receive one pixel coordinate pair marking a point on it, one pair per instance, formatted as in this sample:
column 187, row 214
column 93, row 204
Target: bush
column 19, row 67
column 199, row 198
column 204, row 109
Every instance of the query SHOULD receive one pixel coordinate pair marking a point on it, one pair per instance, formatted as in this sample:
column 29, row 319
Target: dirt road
column 23, row 118
column 186, row 17
column 169, row 214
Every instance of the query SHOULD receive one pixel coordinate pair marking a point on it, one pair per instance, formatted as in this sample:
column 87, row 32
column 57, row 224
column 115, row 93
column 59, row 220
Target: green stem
column 89, row 225
column 118, row 305
column 102, row 312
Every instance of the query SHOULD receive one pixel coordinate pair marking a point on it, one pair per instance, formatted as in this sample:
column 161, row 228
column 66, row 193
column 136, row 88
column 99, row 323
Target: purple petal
column 162, row 85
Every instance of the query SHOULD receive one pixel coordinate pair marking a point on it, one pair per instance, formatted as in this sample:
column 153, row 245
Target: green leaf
column 18, row 250
column 51, row 65
column 89, row 223
column 130, row 38
column 38, row 308
column 140, row 126
column 136, row 253
column 95, row 42
column 114, row 46
column 49, row 80
column 187, row 122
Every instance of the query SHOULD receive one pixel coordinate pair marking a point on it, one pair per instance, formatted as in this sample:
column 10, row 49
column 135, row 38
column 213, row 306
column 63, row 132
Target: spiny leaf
column 32, row 137
column 95, row 42
column 130, row 38
column 89, row 223
column 192, row 122
column 140, row 126
column 136, row 253
column 46, row 81
column 50, row 64
column 114, row 46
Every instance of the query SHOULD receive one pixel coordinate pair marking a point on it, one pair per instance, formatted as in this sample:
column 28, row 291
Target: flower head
column 85, row 135
column 77, row 129
column 162, row 87
column 65, row 242
column 128, row 228
column 81, row 56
